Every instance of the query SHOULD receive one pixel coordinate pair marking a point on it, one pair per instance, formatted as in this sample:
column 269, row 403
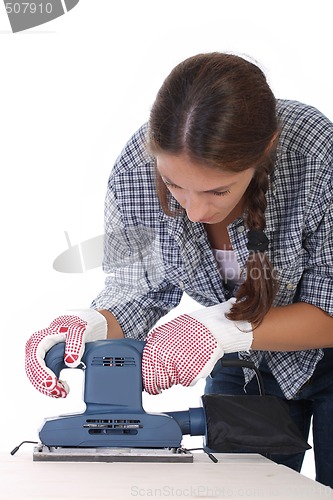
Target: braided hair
column 219, row 111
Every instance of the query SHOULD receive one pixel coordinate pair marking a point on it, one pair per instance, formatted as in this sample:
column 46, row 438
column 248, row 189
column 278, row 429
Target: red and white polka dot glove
column 75, row 329
column 186, row 349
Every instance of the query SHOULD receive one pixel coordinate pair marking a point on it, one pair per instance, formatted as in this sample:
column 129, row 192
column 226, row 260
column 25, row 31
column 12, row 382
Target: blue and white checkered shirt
column 151, row 258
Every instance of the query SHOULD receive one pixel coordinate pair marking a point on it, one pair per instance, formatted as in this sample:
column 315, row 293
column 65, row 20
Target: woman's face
column 208, row 195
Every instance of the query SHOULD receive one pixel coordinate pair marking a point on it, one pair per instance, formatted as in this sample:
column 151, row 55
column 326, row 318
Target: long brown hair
column 219, row 111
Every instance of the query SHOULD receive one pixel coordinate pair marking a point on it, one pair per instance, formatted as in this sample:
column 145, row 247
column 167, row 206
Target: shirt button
column 290, row 286
column 240, row 229
column 181, row 285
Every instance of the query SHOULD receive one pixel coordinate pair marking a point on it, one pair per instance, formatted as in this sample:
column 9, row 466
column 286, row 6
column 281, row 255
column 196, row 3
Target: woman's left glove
column 187, row 348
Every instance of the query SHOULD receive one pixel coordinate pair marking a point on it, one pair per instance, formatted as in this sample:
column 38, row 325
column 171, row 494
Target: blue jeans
column 314, row 400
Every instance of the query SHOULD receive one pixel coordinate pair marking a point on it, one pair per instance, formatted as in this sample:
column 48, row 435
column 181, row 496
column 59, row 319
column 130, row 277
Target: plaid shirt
column 151, row 258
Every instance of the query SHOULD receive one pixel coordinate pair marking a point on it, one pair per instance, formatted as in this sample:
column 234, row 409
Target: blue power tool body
column 114, row 415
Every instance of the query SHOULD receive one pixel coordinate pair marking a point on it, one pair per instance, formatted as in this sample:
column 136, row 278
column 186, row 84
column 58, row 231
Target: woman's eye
column 215, row 193
column 169, row 185
column 221, row 193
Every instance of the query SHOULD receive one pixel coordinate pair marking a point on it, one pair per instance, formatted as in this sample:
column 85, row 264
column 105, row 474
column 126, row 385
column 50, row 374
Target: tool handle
column 54, row 358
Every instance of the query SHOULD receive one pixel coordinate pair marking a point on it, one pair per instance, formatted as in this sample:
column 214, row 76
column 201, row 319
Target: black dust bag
column 250, row 423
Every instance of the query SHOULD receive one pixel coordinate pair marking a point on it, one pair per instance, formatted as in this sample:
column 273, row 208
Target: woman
column 226, row 194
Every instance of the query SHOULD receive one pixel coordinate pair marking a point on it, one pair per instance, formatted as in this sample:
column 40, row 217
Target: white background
column 72, row 93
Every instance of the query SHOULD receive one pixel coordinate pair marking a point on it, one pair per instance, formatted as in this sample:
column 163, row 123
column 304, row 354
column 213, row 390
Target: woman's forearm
column 295, row 327
column 114, row 329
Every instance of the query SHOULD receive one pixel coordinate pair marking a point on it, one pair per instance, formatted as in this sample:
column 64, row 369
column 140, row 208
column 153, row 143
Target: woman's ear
column 273, row 141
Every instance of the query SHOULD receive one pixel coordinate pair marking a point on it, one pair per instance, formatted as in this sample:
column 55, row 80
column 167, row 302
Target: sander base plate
column 64, row 454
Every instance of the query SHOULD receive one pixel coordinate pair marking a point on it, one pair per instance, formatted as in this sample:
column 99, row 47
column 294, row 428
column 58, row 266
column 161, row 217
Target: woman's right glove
column 75, row 328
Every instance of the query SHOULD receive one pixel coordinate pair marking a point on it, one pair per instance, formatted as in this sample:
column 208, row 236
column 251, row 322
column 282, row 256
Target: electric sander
column 114, row 425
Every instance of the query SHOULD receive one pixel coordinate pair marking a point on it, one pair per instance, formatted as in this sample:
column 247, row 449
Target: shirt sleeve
column 137, row 291
column 317, row 280
column 302, row 207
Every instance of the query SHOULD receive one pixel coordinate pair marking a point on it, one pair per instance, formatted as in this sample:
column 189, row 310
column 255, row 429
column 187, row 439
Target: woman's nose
column 197, row 210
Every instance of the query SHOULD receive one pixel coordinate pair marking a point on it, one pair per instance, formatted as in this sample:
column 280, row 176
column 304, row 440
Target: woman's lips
column 207, row 221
